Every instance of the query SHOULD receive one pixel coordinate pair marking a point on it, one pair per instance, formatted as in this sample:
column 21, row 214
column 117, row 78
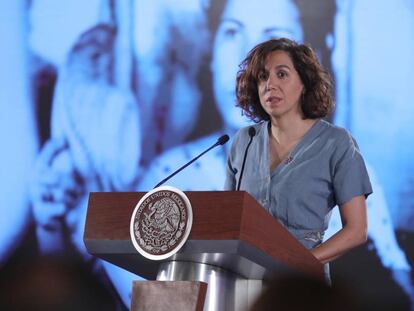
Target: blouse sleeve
column 350, row 178
column 231, row 170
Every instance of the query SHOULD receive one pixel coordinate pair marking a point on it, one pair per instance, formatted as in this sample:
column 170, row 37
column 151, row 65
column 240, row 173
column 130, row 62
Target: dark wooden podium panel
column 230, row 230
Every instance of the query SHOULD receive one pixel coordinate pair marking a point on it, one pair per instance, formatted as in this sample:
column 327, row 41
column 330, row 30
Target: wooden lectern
column 234, row 244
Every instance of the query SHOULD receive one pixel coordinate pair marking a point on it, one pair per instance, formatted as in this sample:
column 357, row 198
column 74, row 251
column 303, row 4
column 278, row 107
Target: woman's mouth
column 273, row 100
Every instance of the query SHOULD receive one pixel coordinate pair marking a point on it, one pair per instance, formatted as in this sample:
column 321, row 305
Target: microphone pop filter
column 252, row 131
column 223, row 139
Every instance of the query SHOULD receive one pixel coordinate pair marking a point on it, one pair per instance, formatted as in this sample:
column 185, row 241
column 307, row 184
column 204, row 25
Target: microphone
column 221, row 141
column 252, row 133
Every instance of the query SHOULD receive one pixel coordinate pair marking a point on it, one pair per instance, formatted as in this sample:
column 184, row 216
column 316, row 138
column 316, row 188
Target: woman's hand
column 353, row 233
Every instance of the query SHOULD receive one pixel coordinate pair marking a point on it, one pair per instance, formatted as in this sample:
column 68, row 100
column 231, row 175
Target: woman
column 298, row 165
column 235, row 31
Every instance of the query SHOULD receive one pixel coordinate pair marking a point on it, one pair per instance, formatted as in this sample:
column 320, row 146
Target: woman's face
column 280, row 88
column 245, row 23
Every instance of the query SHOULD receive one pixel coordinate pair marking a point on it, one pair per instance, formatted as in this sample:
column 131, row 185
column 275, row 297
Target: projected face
column 244, row 24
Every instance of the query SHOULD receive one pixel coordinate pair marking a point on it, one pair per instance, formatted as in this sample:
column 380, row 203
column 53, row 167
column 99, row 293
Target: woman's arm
column 353, row 233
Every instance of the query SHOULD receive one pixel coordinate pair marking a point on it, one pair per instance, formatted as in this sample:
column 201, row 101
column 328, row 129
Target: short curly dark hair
column 317, row 100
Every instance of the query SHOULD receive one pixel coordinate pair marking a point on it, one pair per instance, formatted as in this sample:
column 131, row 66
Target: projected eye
column 275, row 33
column 230, row 29
column 230, row 32
column 95, row 55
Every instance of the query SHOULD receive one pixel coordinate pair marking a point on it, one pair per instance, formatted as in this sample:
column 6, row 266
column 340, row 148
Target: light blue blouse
column 323, row 170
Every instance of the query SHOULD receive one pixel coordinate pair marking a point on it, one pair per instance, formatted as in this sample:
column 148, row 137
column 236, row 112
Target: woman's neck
column 287, row 130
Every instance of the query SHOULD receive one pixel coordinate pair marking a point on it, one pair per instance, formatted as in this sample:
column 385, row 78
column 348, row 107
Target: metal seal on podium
column 161, row 223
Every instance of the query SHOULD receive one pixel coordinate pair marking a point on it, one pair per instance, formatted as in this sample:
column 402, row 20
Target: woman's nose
column 271, row 83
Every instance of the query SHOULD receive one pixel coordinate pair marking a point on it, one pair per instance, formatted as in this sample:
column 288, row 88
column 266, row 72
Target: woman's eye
column 262, row 76
column 281, row 74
